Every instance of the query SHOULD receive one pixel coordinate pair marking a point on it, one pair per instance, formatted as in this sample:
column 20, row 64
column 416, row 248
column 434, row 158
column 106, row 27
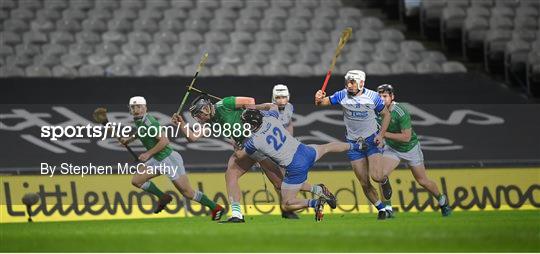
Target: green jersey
column 227, row 113
column 150, row 141
column 400, row 120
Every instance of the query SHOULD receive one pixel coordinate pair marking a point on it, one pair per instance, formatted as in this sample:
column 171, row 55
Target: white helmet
column 137, row 100
column 280, row 90
column 356, row 75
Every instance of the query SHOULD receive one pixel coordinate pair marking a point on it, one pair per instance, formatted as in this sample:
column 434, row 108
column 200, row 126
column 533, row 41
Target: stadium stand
column 503, row 35
column 161, row 37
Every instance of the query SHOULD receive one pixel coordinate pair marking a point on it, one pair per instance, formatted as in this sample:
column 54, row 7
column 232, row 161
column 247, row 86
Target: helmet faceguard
column 200, row 107
column 357, row 76
column 137, row 101
column 280, row 90
column 385, row 88
column 253, row 117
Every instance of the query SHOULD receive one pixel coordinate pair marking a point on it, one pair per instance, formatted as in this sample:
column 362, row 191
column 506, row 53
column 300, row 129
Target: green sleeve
column 229, row 103
column 405, row 120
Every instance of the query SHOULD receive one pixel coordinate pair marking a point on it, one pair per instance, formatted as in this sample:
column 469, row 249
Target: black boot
column 289, row 215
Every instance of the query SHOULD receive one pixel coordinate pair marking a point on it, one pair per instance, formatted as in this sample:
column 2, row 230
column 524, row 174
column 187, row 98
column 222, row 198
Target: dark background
column 469, row 88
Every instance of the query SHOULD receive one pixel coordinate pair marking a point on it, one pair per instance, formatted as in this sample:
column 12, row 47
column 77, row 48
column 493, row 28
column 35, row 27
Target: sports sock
column 317, row 190
column 149, row 186
column 312, row 203
column 379, row 205
column 236, row 210
column 204, row 200
column 388, row 205
column 442, row 199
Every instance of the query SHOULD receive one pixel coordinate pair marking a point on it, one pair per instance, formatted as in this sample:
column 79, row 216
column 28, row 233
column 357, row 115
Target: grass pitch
column 494, row 231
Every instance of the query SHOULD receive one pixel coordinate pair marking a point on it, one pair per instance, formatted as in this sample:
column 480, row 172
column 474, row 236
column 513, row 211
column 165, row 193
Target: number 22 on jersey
column 277, row 139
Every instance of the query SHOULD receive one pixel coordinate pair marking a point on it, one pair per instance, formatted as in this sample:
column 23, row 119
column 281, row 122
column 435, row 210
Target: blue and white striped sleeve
column 337, row 97
column 273, row 113
column 249, row 146
column 379, row 103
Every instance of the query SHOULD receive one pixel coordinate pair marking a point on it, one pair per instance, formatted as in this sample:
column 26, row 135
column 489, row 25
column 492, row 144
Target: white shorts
column 288, row 186
column 414, row 157
column 172, row 165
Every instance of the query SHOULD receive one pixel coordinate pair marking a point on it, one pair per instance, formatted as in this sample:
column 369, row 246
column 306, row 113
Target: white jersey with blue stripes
column 359, row 112
column 285, row 115
column 273, row 140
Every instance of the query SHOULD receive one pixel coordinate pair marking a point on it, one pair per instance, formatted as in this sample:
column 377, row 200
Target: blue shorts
column 372, row 148
column 303, row 160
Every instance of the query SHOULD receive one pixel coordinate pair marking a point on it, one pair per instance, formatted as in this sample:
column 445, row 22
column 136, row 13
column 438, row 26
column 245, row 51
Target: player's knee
column 136, row 182
column 377, row 177
column 287, row 206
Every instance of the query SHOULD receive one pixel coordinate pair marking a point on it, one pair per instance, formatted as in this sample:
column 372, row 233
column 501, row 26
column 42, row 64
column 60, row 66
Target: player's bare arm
column 321, row 99
column 272, row 106
column 404, row 136
column 236, row 146
column 385, row 113
column 241, row 102
column 264, row 106
column 161, row 144
column 191, row 135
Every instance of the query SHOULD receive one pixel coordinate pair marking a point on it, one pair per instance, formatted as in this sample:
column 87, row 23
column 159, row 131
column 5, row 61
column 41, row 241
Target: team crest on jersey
column 359, row 114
